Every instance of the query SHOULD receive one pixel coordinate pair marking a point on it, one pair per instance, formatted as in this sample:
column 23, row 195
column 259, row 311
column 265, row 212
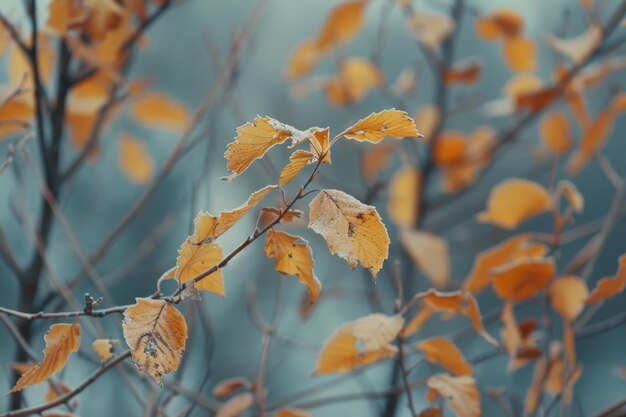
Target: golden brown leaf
column 253, row 140
column 513, row 248
column 456, row 302
column 341, row 354
column 291, row 412
column 387, row 123
column 61, row 341
column 356, row 77
column 610, row 286
column 354, row 231
column 514, row 201
column 520, row 54
column 65, row 14
column 156, row 334
column 502, row 23
column 103, row 16
column 594, row 137
column 522, row 278
column 375, row 331
column 194, row 259
column 236, row 406
column 429, row 253
column 297, row 161
column 567, row 297
column 159, row 110
column 555, row 132
column 104, row 348
column 229, row 386
column 404, row 189
column 459, row 392
column 134, row 160
column 466, row 73
column 293, row 257
column 517, row 338
column 209, row 227
column 444, row 352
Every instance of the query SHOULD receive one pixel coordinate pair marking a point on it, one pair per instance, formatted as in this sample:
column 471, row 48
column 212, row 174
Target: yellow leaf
column 209, row 227
column 355, row 79
column 61, row 340
column 520, row 54
column 303, row 59
column 444, row 352
column 104, row 348
column 134, row 160
column 65, row 14
column 320, row 144
column 293, row 257
column 404, row 189
column 156, row 334
column 253, row 140
column 456, row 302
column 578, row 48
column 555, row 133
column 375, row 331
column 522, row 278
column 514, row 201
column 103, row 16
column 502, row 23
column 160, row 111
column 352, row 230
column 593, row 139
column 513, row 248
column 291, row 412
column 297, row 161
column 340, row 353
column 194, row 259
column 387, row 123
column 610, row 286
column 236, row 405
column 429, row 253
column 459, row 392
column 230, row 386
column 567, row 297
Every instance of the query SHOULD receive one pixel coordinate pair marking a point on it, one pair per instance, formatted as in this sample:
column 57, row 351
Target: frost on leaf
column 253, row 140
column 341, row 353
column 352, row 230
column 293, row 257
column 459, row 392
column 387, row 123
column 61, row 340
column 156, row 333
column 375, row 331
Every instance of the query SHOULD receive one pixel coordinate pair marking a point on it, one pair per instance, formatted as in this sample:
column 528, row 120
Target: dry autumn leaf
column 443, row 351
column 229, row 386
column 297, row 161
column 104, row 348
column 341, row 354
column 522, row 278
column 520, row 54
column 516, row 247
column 65, row 15
column 465, row 73
column 501, row 23
column 387, row 123
column 429, row 253
column 134, row 159
column 156, row 333
column 514, row 201
column 375, row 331
column 159, row 110
column 291, row 412
column 456, row 302
column 354, row 231
column 610, row 286
column 567, row 297
column 376, row 159
column 568, row 190
column 236, row 406
column 194, row 259
column 253, row 140
column 293, row 257
column 61, row 341
column 430, row 28
column 355, row 78
column 554, row 131
column 404, row 189
column 518, row 339
column 459, row 392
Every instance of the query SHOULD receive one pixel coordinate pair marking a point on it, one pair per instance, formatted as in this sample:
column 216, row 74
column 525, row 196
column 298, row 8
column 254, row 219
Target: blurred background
column 181, row 54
